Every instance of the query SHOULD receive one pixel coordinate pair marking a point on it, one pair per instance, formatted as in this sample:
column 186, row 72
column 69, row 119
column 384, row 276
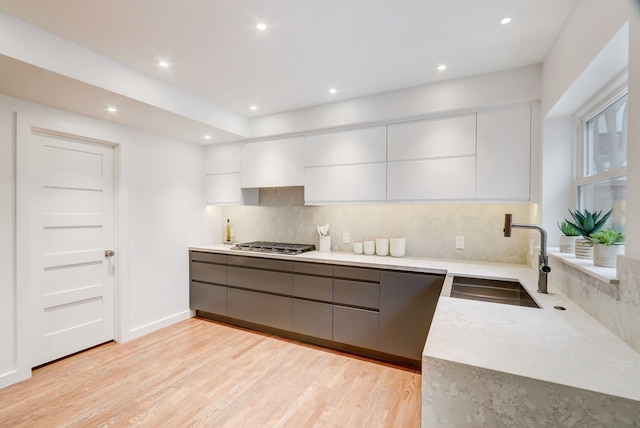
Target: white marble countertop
column 565, row 347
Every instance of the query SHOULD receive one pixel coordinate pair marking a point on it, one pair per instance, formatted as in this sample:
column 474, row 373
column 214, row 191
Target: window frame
column 603, row 99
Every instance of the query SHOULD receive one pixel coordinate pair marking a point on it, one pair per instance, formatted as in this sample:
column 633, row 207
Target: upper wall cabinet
column 346, row 167
column 275, row 163
column 365, row 145
column 504, row 154
column 222, row 177
column 433, row 138
column 432, row 160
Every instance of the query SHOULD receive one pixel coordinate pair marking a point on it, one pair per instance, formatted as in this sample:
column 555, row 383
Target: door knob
column 109, row 253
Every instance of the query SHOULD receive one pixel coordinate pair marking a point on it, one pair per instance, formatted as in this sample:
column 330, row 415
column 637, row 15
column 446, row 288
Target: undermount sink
column 492, row 290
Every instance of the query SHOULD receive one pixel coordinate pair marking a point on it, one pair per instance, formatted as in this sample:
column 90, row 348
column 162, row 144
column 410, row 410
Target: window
column 601, row 179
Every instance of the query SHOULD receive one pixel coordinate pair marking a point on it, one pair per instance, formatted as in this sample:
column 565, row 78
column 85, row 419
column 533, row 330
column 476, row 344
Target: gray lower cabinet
column 388, row 312
column 260, row 308
column 208, row 297
column 208, row 277
column 356, row 327
column 407, row 304
column 313, row 318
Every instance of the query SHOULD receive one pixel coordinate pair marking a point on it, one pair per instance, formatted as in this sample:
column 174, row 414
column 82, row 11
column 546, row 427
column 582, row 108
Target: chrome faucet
column 543, row 261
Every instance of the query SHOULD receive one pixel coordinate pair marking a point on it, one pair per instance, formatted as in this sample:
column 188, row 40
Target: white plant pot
column 567, row 244
column 584, row 249
column 606, row 255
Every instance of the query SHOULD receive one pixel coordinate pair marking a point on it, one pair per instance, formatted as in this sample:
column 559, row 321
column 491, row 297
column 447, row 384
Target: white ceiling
column 360, row 47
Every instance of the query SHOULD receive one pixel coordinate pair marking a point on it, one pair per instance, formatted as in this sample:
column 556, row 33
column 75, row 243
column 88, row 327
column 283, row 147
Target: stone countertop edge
column 566, row 347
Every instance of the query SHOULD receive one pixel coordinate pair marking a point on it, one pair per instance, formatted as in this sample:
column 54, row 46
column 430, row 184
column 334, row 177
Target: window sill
column 607, row 275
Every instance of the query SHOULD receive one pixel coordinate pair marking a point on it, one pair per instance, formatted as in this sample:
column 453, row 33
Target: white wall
column 467, row 94
column 162, row 187
column 578, row 60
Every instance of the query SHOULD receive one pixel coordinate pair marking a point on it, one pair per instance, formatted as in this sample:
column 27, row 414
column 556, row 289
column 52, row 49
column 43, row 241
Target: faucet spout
column 543, row 260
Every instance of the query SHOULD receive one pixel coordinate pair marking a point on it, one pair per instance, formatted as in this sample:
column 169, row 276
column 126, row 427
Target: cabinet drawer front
column 313, row 319
column 362, row 274
column 313, row 269
column 208, row 297
column 208, row 257
column 206, row 272
column 356, row 327
column 261, row 263
column 259, row 308
column 356, row 293
column 313, row 287
column 261, row 280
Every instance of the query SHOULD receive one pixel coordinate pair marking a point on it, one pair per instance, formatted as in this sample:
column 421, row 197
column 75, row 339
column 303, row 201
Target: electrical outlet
column 346, row 237
column 459, row 242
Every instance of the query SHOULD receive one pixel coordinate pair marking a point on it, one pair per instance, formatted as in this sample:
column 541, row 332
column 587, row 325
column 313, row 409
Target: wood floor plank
column 200, row 373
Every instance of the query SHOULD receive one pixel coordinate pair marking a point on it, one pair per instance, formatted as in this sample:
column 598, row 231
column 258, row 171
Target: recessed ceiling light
column 254, row 107
column 505, row 21
column 261, row 26
column 163, row 64
column 332, row 91
column 442, row 67
column 112, row 109
column 207, row 137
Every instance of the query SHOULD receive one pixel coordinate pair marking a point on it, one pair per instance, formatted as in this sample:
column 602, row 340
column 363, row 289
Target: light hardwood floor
column 202, row 373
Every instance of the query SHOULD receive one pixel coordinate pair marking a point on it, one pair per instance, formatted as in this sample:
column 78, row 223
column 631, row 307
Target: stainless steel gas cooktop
column 274, row 247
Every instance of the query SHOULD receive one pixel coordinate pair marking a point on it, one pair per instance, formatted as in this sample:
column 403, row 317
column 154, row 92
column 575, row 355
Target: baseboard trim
column 136, row 332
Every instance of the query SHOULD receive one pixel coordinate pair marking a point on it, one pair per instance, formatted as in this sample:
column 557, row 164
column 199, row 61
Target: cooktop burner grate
column 274, row 247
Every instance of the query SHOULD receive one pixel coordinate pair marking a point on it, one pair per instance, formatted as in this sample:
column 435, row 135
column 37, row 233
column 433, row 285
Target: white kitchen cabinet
column 222, row 158
column 504, row 154
column 432, row 138
column 357, row 146
column 345, row 184
column 222, row 177
column 346, row 167
column 432, row 179
column 274, row 163
column 432, row 160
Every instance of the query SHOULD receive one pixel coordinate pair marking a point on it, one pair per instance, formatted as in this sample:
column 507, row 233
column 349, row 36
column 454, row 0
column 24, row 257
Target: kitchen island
column 488, row 364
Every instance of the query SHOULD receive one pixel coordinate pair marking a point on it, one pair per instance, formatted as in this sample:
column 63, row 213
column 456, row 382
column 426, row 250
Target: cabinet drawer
column 260, row 263
column 208, row 257
column 208, row 297
column 207, row 272
column 356, row 293
column 313, row 269
column 362, row 274
column 313, row 287
column 261, row 280
column 265, row 309
column 356, row 327
column 313, row 319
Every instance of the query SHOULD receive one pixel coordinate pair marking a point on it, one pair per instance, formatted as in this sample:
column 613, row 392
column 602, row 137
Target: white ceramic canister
column 382, row 246
column 369, row 247
column 324, row 244
column 398, row 246
column 358, row 247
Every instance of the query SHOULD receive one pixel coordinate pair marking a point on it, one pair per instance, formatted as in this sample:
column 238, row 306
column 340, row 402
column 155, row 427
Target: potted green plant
column 587, row 223
column 607, row 244
column 568, row 237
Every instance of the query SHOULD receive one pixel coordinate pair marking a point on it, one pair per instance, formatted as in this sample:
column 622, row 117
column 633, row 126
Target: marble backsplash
column 430, row 229
column 616, row 306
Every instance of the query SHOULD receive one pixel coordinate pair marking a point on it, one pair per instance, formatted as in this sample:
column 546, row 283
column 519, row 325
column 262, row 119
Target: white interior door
column 72, row 215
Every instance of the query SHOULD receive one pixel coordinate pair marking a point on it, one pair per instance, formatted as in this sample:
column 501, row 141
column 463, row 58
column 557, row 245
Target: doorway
column 68, row 181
